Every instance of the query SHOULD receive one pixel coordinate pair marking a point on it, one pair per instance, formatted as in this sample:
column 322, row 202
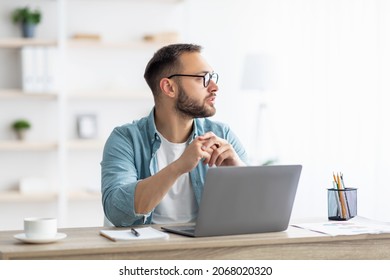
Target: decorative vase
column 28, row 30
column 21, row 134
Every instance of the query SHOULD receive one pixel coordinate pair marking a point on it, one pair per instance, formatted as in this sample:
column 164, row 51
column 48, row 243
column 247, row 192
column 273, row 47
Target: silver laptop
column 241, row 200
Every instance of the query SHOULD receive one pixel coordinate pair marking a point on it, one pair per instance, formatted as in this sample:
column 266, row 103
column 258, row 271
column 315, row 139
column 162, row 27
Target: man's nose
column 213, row 87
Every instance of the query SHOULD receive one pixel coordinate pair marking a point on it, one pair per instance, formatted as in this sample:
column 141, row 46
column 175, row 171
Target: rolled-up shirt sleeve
column 237, row 145
column 119, row 180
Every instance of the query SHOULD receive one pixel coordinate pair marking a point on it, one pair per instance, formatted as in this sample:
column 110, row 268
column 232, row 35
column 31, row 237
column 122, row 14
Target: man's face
column 194, row 100
column 195, row 107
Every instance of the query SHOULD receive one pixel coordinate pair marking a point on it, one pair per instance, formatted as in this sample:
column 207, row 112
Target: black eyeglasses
column 206, row 77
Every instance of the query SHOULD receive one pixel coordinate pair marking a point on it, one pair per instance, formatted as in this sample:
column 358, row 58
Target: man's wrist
column 176, row 168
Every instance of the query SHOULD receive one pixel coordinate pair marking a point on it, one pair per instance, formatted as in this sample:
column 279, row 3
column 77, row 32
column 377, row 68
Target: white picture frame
column 87, row 126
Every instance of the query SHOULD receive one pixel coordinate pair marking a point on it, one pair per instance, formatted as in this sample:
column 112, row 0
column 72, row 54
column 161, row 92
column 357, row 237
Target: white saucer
column 24, row 238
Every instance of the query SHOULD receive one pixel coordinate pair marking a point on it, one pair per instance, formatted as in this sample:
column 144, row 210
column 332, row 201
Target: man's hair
column 165, row 62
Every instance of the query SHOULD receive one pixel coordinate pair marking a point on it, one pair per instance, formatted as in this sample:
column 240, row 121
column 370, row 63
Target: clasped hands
column 212, row 150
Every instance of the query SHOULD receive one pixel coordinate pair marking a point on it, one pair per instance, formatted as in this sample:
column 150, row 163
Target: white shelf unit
column 95, row 44
column 73, row 196
column 13, row 94
column 85, row 145
column 20, row 155
column 22, row 146
column 16, row 196
column 119, row 95
column 23, row 42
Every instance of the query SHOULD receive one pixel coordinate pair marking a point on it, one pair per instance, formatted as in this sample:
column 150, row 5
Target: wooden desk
column 295, row 243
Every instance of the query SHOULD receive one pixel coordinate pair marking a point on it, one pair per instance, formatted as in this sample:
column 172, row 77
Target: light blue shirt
column 129, row 156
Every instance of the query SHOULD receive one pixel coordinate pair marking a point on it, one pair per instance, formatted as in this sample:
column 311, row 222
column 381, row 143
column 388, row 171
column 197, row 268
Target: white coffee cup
column 40, row 228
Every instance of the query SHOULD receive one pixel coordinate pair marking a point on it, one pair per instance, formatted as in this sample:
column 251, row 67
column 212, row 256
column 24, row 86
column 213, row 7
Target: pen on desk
column 135, row 232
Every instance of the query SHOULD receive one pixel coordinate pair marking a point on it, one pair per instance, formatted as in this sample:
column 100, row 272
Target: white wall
column 326, row 107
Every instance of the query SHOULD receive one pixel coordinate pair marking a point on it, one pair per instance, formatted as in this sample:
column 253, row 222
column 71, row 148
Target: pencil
column 346, row 195
column 335, row 180
column 342, row 199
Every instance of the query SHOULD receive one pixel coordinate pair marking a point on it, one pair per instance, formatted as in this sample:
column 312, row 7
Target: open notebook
column 144, row 233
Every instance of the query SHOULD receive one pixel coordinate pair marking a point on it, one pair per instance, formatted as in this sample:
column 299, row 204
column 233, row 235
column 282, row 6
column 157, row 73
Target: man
column 153, row 170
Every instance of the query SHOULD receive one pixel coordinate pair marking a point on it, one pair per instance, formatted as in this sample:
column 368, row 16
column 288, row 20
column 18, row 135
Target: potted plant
column 28, row 18
column 20, row 127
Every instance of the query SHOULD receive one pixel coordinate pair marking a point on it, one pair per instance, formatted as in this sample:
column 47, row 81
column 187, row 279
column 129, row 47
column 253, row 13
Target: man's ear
column 168, row 87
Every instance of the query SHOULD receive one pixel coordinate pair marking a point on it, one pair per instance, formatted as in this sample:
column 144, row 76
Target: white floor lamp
column 255, row 80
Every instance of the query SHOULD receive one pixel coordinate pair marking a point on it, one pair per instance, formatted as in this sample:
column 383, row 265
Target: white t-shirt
column 179, row 204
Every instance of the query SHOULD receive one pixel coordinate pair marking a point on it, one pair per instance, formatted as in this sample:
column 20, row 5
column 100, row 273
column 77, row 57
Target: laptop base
column 182, row 230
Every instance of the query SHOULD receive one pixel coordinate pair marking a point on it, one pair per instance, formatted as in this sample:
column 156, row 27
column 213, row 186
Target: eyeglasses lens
column 206, row 80
column 210, row 76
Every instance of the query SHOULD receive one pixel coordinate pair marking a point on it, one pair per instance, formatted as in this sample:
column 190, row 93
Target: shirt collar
column 151, row 127
column 195, row 132
column 152, row 130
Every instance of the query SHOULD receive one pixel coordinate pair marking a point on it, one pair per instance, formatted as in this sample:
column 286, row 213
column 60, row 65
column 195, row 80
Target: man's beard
column 192, row 108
